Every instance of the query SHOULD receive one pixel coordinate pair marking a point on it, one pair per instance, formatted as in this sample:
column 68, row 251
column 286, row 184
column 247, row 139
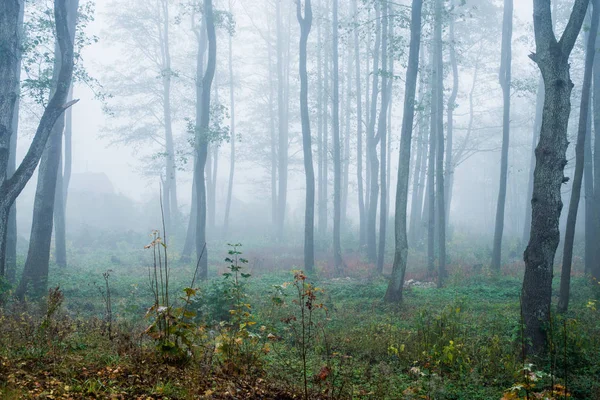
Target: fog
column 299, row 199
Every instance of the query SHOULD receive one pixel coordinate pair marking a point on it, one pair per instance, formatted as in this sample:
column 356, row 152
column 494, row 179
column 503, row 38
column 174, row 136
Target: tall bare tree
column 552, row 58
column 394, row 290
column 505, row 82
column 202, row 135
column 309, row 213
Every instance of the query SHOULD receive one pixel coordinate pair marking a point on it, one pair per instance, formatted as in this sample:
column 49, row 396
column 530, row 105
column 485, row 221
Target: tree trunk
column 283, row 128
column 346, row 153
column 449, row 175
column 12, row 187
column 394, row 290
column 382, row 139
column 202, row 137
column 62, row 187
column 416, row 221
column 337, row 161
column 439, row 116
column 537, row 125
column 11, row 236
column 552, row 57
column 274, row 167
column 190, row 237
column 35, row 272
column 309, row 213
column 565, row 279
column 359, row 130
column 170, row 200
column 373, row 162
column 505, row 82
column 431, row 166
column 232, row 135
column 595, row 212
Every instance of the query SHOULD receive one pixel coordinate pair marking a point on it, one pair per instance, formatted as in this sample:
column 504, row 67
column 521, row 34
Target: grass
column 459, row 342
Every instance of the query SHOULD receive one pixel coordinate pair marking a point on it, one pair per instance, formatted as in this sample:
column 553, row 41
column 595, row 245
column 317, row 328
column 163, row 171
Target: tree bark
column 552, row 57
column 394, row 290
column 202, row 137
column 537, row 125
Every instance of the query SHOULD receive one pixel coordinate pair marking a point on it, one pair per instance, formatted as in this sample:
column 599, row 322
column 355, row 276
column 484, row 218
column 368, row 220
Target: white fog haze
column 299, row 199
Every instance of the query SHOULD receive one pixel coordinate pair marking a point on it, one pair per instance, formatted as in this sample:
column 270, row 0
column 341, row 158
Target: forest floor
column 274, row 335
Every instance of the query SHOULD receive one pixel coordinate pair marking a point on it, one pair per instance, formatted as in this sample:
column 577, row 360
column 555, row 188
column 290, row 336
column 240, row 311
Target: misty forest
column 299, row 199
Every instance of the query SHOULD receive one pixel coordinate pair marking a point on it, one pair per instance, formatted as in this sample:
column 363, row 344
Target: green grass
column 462, row 341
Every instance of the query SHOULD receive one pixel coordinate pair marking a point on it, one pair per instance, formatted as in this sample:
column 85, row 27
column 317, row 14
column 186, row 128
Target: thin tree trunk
column 346, row 154
column 170, row 200
column 359, row 130
column 382, row 139
column 232, row 135
column 202, row 137
column 505, row 82
column 62, row 187
column 394, row 290
column 416, row 221
column 430, row 193
column 337, row 161
column 565, row 279
column 373, row 165
column 439, row 180
column 274, row 166
column 309, row 213
column 283, row 128
column 449, row 175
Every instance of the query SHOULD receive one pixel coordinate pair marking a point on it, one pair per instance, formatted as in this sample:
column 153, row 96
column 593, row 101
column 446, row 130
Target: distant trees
column 552, row 58
column 143, row 108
